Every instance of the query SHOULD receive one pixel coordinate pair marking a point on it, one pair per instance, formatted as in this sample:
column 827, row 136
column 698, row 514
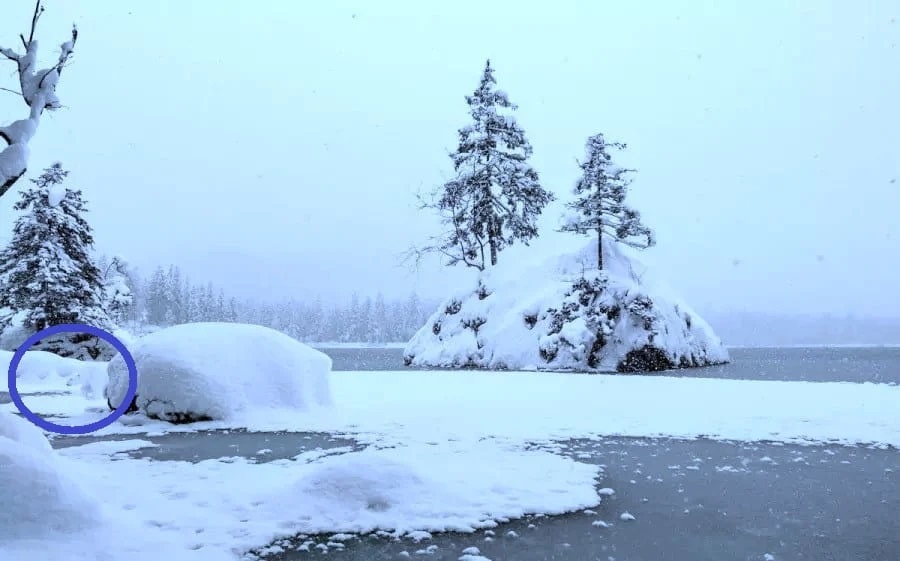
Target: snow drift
column 42, row 369
column 566, row 315
column 214, row 371
column 39, row 499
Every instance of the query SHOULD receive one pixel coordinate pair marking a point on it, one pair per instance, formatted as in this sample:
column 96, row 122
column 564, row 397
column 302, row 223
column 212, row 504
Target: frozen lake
column 692, row 499
column 812, row 364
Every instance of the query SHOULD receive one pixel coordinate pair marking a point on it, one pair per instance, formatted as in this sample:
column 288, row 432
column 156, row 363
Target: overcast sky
column 276, row 147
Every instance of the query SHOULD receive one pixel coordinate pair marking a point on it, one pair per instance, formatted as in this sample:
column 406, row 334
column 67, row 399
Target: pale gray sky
column 276, row 147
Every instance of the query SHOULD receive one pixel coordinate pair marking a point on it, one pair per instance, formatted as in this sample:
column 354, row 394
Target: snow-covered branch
column 38, row 89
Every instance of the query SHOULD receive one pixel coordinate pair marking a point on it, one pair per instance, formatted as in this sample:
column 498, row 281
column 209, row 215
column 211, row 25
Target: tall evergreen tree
column 495, row 198
column 221, row 313
column 117, row 292
column 175, row 310
column 380, row 320
column 49, row 277
column 599, row 206
column 157, row 298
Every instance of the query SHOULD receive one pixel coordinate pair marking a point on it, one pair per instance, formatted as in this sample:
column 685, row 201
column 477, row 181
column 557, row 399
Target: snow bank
column 565, row 315
column 39, row 499
column 43, row 370
column 433, row 488
column 206, row 371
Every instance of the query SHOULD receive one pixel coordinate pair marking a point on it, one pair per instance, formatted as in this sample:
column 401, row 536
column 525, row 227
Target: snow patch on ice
column 446, row 489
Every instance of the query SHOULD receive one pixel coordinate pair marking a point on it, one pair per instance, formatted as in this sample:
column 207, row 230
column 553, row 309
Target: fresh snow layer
column 508, row 321
column 215, row 510
column 435, row 488
column 451, row 457
column 426, row 406
column 220, row 370
column 41, row 370
column 40, row 500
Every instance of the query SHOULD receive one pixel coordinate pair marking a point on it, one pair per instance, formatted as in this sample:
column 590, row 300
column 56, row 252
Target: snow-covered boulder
column 566, row 315
column 39, row 499
column 214, row 371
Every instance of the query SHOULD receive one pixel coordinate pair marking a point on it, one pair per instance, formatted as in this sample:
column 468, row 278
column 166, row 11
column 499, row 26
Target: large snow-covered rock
column 565, row 315
column 39, row 499
column 214, row 371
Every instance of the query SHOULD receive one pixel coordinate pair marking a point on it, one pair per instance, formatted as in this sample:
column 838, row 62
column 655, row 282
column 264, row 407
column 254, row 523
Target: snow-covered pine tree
column 495, row 198
column 233, row 313
column 118, row 298
column 220, row 313
column 50, row 277
column 176, row 312
column 599, row 206
column 38, row 90
column 380, row 320
column 194, row 304
column 157, row 298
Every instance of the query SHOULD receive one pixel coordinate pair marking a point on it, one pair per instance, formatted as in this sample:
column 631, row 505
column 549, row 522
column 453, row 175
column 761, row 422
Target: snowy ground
column 449, row 452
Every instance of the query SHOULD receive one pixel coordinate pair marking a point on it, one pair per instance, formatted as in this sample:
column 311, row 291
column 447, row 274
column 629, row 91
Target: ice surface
column 508, row 323
column 221, row 370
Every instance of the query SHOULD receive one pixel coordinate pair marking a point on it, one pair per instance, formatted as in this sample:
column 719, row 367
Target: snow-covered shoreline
column 424, row 405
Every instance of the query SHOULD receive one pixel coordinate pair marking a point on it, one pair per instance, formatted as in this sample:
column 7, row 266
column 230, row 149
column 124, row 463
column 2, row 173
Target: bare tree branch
column 38, row 90
column 38, row 10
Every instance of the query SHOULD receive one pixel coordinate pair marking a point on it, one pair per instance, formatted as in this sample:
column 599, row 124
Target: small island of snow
column 566, row 315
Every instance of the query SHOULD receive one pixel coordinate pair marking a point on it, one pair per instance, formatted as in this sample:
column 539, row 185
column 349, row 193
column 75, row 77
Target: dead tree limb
column 38, row 89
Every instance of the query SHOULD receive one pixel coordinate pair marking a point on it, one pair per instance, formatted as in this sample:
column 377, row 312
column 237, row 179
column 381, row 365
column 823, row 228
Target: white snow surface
column 213, row 510
column 221, row 371
column 517, row 289
column 438, row 488
column 39, row 370
column 451, row 456
column 40, row 499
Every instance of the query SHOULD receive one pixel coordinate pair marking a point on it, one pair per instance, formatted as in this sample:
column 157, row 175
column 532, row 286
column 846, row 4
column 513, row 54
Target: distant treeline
column 169, row 298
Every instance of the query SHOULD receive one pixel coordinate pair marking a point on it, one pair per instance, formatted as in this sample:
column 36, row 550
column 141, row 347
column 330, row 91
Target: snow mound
column 436, row 489
column 39, row 499
column 215, row 371
column 566, row 315
column 40, row 369
column 24, row 433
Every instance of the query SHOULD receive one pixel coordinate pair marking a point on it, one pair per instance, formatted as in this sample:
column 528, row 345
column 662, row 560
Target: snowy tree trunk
column 600, row 248
column 38, row 89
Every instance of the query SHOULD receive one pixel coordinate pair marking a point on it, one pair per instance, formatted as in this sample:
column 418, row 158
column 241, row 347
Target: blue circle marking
column 73, row 328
